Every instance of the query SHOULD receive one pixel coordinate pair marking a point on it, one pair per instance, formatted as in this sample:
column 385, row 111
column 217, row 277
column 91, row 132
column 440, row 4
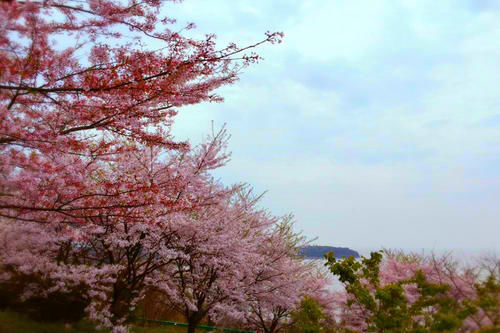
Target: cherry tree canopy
column 92, row 183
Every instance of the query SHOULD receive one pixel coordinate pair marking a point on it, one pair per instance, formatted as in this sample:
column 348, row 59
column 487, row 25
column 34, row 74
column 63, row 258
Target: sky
column 376, row 123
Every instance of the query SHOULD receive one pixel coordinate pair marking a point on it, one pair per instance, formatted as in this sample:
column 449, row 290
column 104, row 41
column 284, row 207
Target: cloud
column 375, row 122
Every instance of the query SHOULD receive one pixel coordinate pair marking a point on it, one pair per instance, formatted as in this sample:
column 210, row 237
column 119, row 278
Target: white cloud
column 374, row 121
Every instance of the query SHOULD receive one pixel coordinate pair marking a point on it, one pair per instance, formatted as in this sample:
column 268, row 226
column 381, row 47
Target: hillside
column 318, row 251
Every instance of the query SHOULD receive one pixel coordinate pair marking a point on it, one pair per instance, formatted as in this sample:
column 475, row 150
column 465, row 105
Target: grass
column 13, row 322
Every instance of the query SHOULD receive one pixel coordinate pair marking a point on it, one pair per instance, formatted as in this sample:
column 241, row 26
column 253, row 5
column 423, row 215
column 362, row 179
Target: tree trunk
column 120, row 306
column 193, row 320
column 191, row 327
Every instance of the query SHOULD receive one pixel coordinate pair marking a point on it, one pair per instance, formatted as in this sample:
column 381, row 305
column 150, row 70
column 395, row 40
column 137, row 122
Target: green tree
column 488, row 301
column 307, row 318
column 385, row 307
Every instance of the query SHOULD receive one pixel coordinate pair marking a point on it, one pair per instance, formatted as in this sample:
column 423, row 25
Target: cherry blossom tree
column 91, row 178
column 282, row 280
column 111, row 261
column 217, row 251
column 238, row 264
column 83, row 84
column 271, row 308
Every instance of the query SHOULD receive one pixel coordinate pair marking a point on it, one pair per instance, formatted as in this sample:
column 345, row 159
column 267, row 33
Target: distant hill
column 316, row 251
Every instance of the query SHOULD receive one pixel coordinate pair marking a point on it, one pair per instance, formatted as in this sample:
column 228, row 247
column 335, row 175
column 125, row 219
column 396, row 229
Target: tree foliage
column 97, row 199
column 414, row 293
column 307, row 318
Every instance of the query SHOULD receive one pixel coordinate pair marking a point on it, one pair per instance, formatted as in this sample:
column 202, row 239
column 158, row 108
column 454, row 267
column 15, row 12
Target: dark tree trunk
column 193, row 320
column 122, row 297
column 191, row 327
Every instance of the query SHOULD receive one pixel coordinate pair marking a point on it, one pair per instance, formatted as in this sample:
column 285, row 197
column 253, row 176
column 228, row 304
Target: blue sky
column 377, row 123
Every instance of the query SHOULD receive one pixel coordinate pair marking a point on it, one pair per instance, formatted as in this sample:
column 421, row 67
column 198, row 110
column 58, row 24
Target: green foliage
column 488, row 300
column 307, row 319
column 387, row 305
